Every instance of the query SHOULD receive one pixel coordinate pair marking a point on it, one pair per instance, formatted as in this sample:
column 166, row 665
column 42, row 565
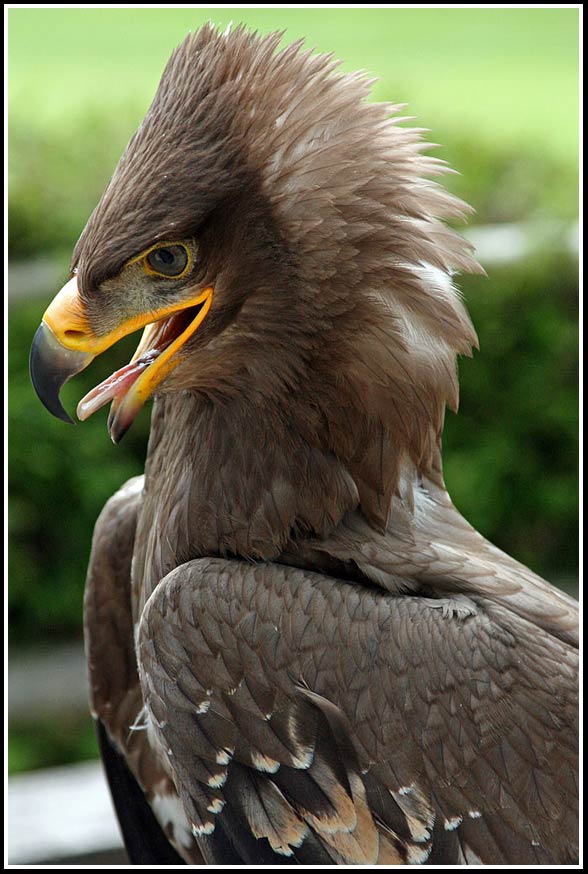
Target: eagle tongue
column 114, row 386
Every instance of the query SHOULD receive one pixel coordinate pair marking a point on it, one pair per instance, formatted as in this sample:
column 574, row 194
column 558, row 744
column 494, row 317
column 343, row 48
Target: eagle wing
column 141, row 789
column 307, row 719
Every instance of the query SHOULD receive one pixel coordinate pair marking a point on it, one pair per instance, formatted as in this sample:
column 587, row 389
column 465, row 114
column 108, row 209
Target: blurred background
column 499, row 90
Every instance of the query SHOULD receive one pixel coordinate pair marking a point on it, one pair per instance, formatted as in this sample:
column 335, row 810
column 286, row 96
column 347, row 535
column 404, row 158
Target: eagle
column 299, row 651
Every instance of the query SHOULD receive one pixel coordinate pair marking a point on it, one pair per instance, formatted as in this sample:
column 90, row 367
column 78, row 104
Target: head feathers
column 323, row 234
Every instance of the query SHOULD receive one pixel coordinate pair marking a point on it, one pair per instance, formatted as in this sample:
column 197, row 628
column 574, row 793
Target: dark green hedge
column 510, row 454
column 59, row 476
column 47, row 742
column 59, row 173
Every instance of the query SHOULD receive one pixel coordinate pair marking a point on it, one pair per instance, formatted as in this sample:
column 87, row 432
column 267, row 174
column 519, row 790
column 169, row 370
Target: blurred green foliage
column 505, row 74
column 498, row 88
column 511, row 453
column 60, row 477
column 56, row 179
column 42, row 744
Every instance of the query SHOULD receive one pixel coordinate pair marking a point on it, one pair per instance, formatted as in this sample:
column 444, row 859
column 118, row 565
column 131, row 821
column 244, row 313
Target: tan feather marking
column 417, row 855
column 217, row 780
column 224, row 756
column 205, row 828
column 388, row 853
column 420, row 816
column 263, row 762
column 303, row 753
column 359, row 846
column 216, row 805
column 270, row 815
column 344, row 817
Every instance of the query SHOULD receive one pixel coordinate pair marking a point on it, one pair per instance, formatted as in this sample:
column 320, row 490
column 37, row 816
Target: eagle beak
column 55, row 357
column 51, row 365
column 65, row 344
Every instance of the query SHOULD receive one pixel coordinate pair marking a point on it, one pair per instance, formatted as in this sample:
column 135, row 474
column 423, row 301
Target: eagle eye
column 170, row 261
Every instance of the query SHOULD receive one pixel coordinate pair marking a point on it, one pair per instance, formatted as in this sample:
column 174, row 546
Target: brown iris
column 167, row 261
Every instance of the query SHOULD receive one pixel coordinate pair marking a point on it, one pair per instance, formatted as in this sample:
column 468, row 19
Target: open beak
column 64, row 345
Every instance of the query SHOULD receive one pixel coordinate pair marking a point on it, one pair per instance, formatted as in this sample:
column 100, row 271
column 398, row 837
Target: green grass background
column 476, row 68
column 497, row 87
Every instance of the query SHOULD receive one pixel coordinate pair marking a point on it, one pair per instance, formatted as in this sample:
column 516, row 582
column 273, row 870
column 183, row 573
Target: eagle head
column 279, row 239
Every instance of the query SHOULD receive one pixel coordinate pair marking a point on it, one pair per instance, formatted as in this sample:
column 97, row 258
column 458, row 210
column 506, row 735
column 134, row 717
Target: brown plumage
column 299, row 651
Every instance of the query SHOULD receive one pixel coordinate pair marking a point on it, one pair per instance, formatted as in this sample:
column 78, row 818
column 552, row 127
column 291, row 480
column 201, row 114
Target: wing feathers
column 422, row 735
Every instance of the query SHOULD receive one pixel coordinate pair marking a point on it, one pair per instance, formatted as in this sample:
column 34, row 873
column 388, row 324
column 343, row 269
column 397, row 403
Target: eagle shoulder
column 143, row 794
column 108, row 623
column 300, row 714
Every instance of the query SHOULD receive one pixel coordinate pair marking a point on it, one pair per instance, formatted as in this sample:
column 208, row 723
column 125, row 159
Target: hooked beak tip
column 50, row 365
